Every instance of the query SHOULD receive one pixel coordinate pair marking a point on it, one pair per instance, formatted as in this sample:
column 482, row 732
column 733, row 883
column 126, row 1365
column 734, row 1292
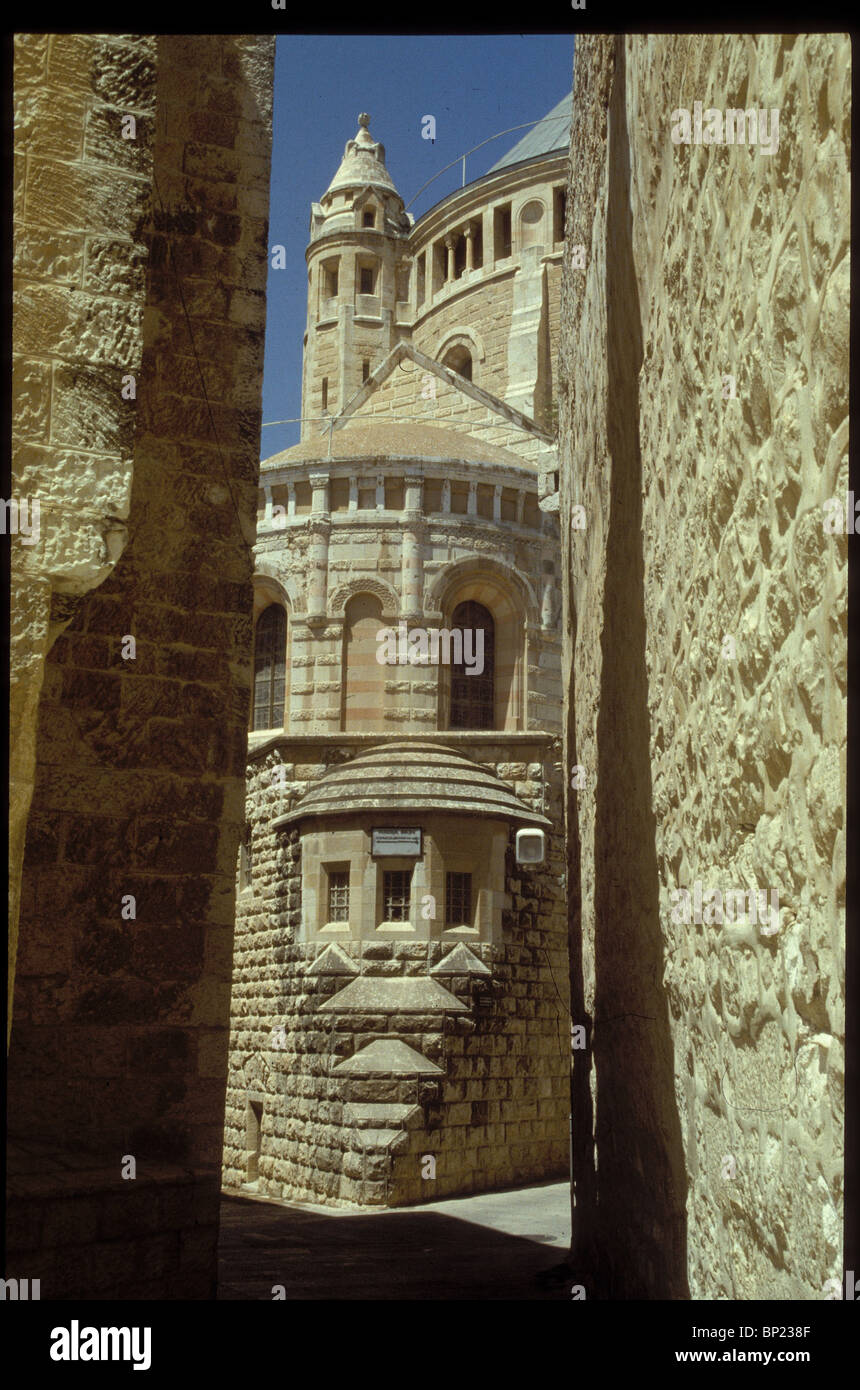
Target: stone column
column 472, row 504
column 497, row 502
column 319, row 527
column 446, row 495
column 450, row 242
column 412, row 566
column 469, row 233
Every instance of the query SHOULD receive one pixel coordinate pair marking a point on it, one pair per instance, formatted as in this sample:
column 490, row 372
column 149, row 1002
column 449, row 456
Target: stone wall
column 153, row 255
column 705, row 663
column 81, row 193
column 498, row 1112
column 485, row 308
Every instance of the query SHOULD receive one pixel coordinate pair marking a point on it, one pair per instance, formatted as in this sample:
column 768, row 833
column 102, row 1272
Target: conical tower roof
column 363, row 163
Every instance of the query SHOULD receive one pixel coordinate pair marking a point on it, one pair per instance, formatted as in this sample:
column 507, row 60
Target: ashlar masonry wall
column 495, row 1110
column 704, row 427
column 119, row 1038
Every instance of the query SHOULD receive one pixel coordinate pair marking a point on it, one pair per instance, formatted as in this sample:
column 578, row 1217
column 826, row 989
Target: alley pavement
column 498, row 1245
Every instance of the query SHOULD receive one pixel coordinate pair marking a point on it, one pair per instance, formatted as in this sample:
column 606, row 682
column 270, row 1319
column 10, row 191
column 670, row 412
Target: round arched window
column 270, row 668
column 459, row 359
column 473, row 675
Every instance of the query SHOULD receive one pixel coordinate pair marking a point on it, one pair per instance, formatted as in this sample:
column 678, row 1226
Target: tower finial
column 364, row 120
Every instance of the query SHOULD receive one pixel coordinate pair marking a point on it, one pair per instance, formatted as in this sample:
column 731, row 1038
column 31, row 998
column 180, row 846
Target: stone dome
column 412, row 777
column 379, row 439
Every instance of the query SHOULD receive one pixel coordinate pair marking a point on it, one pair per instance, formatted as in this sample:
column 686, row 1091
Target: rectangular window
column 325, row 393
column 458, row 900
column 365, row 369
column 396, row 894
column 338, row 895
column 502, row 233
column 369, row 219
column 439, row 265
column 422, row 274
column 365, row 280
column 330, row 269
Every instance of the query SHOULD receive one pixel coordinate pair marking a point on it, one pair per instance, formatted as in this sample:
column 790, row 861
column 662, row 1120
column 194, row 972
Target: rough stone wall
column 119, row 1040
column 80, row 197
column 712, row 1091
column 498, row 1116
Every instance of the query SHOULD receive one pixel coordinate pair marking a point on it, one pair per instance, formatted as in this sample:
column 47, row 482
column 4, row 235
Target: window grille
column 338, row 895
column 458, row 900
column 396, row 893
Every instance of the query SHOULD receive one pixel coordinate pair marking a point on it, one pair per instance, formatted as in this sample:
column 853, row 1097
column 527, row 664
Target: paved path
column 492, row 1246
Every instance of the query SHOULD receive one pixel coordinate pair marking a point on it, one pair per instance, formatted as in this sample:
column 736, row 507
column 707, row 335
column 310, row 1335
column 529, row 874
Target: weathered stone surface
column 118, row 1028
column 703, row 426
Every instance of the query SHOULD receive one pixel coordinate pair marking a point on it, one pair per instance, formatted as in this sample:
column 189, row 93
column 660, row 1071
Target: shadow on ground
column 409, row 1254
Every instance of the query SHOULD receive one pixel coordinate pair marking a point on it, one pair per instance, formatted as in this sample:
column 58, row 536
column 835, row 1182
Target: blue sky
column 474, row 85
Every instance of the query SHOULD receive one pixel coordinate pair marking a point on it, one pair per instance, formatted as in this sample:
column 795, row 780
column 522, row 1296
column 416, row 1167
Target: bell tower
column 358, row 274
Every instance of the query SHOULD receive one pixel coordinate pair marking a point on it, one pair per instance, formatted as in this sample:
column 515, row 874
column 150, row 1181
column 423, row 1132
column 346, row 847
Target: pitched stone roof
column 412, row 777
column 551, row 135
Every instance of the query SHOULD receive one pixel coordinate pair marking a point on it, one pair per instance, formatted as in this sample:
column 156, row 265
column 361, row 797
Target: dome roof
column 412, row 777
column 550, row 136
column 363, row 438
column 363, row 163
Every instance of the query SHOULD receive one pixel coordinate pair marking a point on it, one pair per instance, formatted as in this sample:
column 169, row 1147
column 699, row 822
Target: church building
column 400, row 1027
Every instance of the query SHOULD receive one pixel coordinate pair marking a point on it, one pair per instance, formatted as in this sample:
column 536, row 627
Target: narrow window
column 338, row 895
column 458, row 900
column 369, row 219
column 422, row 277
column 473, row 692
column 365, row 369
column 270, row 668
column 559, row 208
column 365, row 283
column 325, row 393
column 245, row 862
column 396, row 894
column 459, row 257
column 330, row 280
column 253, row 1139
column 502, row 232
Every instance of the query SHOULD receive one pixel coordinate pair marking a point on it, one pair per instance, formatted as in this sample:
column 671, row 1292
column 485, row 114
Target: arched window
column 473, row 676
column 459, row 359
column 270, row 668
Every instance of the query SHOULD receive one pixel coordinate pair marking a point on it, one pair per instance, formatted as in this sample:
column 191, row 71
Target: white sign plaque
column 396, row 841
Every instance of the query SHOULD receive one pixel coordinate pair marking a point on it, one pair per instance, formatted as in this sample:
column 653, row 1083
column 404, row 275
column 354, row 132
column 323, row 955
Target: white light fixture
column 531, row 846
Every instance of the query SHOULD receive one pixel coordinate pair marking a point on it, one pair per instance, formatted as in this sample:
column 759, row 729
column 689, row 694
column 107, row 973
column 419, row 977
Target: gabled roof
column 550, row 135
column 403, row 351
